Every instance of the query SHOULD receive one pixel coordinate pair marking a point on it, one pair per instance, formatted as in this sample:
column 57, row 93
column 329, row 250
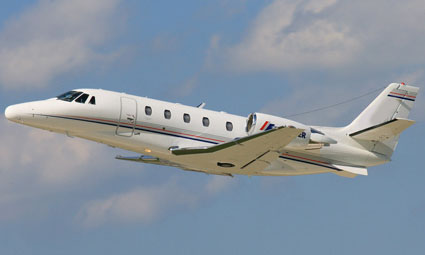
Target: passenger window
column 167, row 114
column 92, row 100
column 205, row 121
column 229, row 126
column 148, row 110
column 82, row 99
column 186, row 117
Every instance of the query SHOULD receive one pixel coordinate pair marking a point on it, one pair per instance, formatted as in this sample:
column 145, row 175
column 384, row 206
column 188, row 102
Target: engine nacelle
column 260, row 122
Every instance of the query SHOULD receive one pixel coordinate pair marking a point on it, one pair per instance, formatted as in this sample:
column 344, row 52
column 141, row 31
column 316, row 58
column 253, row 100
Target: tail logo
column 267, row 126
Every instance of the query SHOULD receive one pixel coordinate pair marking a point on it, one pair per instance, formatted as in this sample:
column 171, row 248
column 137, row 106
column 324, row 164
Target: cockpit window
column 315, row 131
column 92, row 100
column 69, row 96
column 82, row 99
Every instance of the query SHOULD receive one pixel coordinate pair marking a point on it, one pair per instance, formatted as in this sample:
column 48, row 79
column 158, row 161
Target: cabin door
column 128, row 117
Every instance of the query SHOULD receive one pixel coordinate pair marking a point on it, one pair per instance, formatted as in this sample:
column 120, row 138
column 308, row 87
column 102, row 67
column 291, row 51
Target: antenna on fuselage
column 202, row 105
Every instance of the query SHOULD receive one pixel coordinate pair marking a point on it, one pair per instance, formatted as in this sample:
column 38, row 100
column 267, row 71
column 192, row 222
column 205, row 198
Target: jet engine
column 260, row 122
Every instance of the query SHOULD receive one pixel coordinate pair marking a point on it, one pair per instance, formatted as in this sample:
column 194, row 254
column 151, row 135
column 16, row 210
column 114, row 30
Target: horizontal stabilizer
column 383, row 131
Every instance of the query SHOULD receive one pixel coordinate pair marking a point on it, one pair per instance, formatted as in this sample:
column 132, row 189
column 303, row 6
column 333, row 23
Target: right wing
column 253, row 152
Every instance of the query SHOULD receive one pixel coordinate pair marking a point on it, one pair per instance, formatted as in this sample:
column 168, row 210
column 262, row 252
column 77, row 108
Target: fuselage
column 153, row 127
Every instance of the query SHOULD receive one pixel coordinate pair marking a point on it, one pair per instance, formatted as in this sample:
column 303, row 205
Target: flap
column 148, row 160
column 383, row 131
column 353, row 169
column 162, row 162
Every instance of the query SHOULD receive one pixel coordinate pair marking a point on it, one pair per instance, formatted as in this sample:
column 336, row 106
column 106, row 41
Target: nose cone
column 15, row 113
column 11, row 113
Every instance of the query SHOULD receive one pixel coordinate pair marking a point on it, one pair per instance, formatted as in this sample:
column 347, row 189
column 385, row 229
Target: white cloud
column 187, row 87
column 142, row 204
column 53, row 38
column 147, row 204
column 218, row 184
column 45, row 157
column 317, row 6
column 295, row 35
column 35, row 165
column 276, row 41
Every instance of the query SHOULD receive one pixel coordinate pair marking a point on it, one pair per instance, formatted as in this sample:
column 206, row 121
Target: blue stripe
column 410, row 99
column 136, row 128
column 311, row 163
column 270, row 126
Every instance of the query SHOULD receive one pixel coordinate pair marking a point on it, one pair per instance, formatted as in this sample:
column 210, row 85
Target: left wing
column 253, row 152
column 162, row 162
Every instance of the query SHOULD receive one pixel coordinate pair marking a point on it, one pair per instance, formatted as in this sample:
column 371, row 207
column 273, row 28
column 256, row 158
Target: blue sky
column 68, row 196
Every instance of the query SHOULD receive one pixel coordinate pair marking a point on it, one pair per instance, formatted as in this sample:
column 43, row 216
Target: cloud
column 142, row 204
column 218, row 184
column 36, row 165
column 277, row 40
column 45, row 157
column 318, row 6
column 53, row 38
column 295, row 35
column 187, row 87
column 147, row 204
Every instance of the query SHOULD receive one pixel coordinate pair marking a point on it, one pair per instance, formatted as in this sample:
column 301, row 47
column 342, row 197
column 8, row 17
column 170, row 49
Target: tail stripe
column 403, row 95
column 403, row 98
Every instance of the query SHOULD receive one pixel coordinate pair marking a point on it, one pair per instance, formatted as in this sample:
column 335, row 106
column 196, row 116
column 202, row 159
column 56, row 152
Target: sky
column 61, row 195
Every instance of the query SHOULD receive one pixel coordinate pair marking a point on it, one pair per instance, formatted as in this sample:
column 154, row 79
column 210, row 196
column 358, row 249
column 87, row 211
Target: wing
column 148, row 160
column 162, row 162
column 253, row 152
column 383, row 131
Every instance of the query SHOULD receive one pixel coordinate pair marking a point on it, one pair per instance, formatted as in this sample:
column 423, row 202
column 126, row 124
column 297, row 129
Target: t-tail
column 379, row 126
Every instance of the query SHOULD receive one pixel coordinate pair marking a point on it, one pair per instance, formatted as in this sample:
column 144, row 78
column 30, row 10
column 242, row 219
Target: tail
column 379, row 126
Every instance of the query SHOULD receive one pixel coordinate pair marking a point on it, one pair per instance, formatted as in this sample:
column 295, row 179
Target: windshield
column 69, row 96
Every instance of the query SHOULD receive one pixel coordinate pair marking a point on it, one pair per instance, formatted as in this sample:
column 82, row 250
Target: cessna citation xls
column 196, row 139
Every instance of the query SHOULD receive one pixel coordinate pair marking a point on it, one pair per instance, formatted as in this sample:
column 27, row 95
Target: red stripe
column 169, row 131
column 402, row 95
column 321, row 162
column 264, row 126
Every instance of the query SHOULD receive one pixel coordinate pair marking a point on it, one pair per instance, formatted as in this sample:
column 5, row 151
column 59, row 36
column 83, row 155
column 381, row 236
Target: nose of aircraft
column 11, row 113
column 14, row 113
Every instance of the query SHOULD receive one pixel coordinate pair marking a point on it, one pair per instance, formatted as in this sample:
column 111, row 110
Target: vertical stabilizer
column 395, row 102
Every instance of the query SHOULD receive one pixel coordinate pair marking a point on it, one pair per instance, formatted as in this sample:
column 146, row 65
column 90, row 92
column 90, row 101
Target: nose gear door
column 128, row 117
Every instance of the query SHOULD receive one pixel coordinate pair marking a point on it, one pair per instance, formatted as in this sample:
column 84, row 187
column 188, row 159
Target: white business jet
column 196, row 139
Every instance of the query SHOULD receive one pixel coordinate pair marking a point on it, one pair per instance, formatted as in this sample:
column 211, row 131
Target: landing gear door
column 128, row 117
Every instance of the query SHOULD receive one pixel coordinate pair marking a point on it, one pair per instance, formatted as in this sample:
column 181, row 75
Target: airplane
column 201, row 140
